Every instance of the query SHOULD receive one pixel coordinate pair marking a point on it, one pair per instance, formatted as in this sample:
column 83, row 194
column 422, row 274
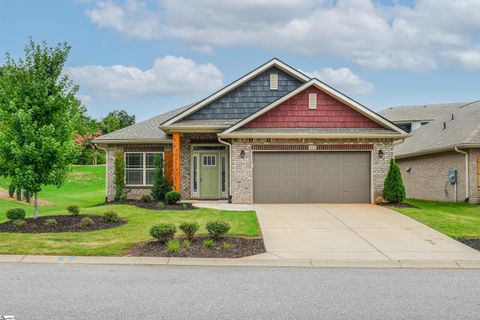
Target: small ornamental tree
column 160, row 184
column 38, row 113
column 119, row 176
column 393, row 188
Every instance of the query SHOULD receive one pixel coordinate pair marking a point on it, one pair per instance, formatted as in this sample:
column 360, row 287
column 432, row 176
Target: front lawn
column 86, row 188
column 457, row 220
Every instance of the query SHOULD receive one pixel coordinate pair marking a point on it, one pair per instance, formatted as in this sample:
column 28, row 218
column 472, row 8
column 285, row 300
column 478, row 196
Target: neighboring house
column 450, row 142
column 273, row 136
column 410, row 118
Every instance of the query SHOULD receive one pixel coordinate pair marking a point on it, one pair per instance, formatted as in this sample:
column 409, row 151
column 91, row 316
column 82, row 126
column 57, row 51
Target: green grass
column 85, row 187
column 457, row 220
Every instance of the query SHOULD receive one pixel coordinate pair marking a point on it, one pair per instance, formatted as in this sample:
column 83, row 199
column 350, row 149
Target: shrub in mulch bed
column 64, row 224
column 472, row 243
column 237, row 247
column 154, row 205
column 397, row 205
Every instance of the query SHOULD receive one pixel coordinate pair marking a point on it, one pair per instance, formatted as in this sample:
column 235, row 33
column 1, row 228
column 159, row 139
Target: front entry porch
column 209, row 174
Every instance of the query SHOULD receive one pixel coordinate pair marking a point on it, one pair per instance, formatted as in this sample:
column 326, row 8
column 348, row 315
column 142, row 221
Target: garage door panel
column 311, row 177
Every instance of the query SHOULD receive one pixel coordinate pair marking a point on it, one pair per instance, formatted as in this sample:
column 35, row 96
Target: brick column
column 176, row 161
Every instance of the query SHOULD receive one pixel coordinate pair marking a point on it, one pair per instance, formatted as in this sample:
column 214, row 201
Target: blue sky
column 148, row 57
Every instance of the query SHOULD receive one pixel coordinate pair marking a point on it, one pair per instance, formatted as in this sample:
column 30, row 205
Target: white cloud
column 85, row 99
column 469, row 58
column 169, row 75
column 343, row 79
column 372, row 35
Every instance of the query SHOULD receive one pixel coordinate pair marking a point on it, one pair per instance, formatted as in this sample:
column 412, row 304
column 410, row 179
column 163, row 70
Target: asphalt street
column 56, row 291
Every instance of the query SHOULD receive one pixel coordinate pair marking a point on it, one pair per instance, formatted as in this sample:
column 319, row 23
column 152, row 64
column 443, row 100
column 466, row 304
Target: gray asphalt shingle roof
column 419, row 112
column 463, row 129
column 148, row 130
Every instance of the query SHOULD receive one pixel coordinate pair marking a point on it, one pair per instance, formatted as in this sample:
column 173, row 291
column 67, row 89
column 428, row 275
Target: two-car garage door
column 311, row 177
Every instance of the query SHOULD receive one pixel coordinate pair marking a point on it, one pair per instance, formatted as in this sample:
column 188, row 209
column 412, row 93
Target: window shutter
column 273, row 81
column 312, row 101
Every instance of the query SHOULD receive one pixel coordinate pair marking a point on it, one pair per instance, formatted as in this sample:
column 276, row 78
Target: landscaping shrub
column 11, row 190
column 119, row 176
column 18, row 223
column 160, row 184
column 161, row 205
column 173, row 246
column 186, row 243
column 110, row 216
column 146, row 198
column 50, row 223
column 227, row 246
column 208, row 243
column 217, row 229
column 27, row 195
column 18, row 193
column 122, row 198
column 393, row 188
column 87, row 222
column 185, row 206
column 74, row 210
column 16, row 213
column 172, row 197
column 189, row 228
column 163, row 231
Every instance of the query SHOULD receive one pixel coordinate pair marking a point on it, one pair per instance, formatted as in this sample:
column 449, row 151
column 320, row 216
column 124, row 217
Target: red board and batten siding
column 294, row 113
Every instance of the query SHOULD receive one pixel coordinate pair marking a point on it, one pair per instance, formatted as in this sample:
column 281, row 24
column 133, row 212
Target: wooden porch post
column 176, row 161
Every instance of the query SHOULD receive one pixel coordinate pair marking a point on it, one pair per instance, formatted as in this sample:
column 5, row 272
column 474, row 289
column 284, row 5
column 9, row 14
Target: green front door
column 209, row 175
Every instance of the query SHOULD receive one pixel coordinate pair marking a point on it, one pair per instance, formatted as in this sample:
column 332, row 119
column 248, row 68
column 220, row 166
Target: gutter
column 229, row 168
column 126, row 141
column 467, row 178
column 311, row 135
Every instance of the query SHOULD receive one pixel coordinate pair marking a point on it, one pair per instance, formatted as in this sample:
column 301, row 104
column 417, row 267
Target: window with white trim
column 209, row 160
column 139, row 168
column 273, row 81
column 312, row 101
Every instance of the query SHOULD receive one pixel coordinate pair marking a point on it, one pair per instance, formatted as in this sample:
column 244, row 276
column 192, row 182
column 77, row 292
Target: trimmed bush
column 186, row 243
column 163, row 231
column 74, row 210
column 393, row 188
column 18, row 223
column 119, row 176
column 172, row 197
column 122, row 198
column 146, row 198
column 50, row 223
column 87, row 222
column 11, row 190
column 27, row 195
column 18, row 193
column 16, row 214
column 189, row 228
column 173, row 246
column 160, row 184
column 227, row 246
column 161, row 205
column 217, row 229
column 208, row 243
column 110, row 216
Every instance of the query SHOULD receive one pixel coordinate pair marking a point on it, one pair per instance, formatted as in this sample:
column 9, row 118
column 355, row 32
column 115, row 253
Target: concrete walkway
column 353, row 232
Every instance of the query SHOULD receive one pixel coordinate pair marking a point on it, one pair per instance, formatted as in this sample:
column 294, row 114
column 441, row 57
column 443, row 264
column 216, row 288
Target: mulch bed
column 152, row 205
column 473, row 243
column 65, row 224
column 397, row 205
column 240, row 247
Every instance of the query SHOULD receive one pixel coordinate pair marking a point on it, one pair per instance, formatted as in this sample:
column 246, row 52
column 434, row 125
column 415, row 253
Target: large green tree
column 38, row 115
column 116, row 120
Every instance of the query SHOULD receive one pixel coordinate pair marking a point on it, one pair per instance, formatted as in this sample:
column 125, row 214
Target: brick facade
column 428, row 176
column 242, row 168
column 295, row 113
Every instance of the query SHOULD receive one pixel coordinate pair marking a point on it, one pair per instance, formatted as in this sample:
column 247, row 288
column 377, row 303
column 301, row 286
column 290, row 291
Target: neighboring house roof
column 444, row 133
column 424, row 112
column 333, row 93
column 250, row 106
column 142, row 132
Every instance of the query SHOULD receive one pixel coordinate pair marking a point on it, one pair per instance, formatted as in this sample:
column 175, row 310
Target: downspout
column 106, row 171
column 229, row 168
column 467, row 180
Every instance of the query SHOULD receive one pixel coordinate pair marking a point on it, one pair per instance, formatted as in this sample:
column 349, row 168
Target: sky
column 148, row 57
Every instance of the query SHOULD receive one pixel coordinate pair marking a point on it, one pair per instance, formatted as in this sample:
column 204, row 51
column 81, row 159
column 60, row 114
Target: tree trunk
column 35, row 206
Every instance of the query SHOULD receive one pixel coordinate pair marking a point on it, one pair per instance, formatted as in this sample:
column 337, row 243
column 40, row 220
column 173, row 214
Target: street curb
column 241, row 262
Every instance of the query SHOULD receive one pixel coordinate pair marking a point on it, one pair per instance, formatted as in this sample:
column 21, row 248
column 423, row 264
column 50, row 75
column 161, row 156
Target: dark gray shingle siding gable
column 248, row 98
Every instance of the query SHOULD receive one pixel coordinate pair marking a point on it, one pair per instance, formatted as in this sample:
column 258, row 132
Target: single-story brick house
column 449, row 143
column 273, row 136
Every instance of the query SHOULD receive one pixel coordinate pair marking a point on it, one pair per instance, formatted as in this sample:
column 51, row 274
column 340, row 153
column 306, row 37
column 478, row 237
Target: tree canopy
column 116, row 120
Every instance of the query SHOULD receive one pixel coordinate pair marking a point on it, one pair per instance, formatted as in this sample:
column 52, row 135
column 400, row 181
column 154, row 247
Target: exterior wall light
column 242, row 154
column 380, row 154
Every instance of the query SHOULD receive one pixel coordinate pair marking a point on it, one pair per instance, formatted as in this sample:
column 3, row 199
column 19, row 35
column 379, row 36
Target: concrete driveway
column 353, row 231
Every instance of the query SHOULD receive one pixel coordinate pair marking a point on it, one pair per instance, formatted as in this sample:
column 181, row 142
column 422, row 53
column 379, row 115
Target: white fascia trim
column 333, row 93
column 126, row 141
column 311, row 135
column 274, row 62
